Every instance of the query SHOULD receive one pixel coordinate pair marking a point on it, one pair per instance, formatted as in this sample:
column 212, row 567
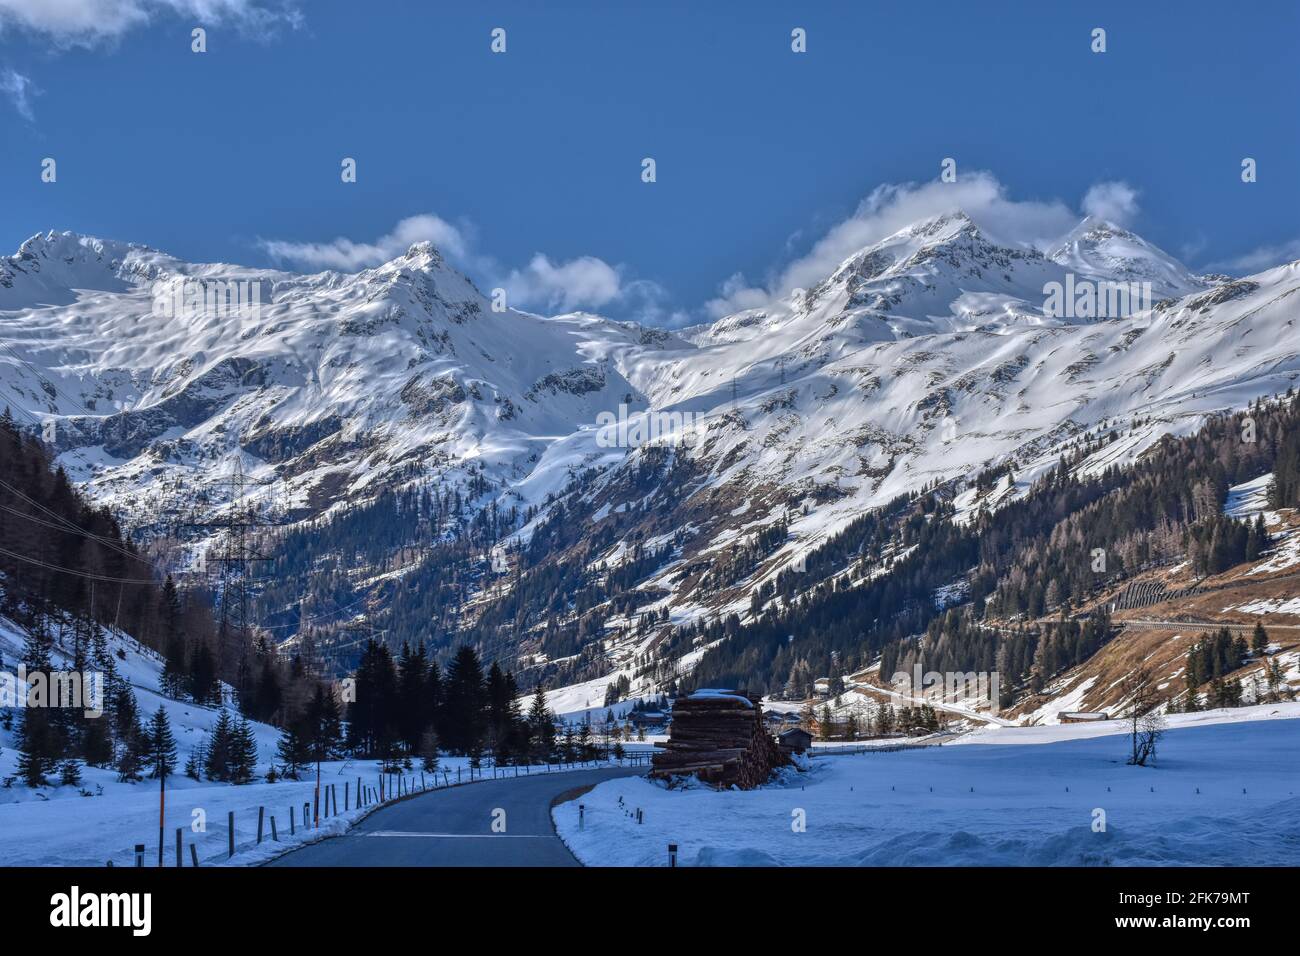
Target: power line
column 33, row 366
column 317, row 617
column 68, row 525
column 81, row 574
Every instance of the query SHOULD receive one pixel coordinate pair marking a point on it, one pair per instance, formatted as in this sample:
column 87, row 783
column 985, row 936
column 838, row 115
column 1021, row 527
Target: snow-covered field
column 1226, row 792
column 94, row 830
column 104, row 818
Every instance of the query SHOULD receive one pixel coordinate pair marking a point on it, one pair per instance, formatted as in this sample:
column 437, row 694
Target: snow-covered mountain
column 925, row 357
column 333, row 384
column 1099, row 249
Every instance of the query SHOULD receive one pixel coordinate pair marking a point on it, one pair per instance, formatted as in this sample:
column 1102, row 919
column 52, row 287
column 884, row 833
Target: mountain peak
column 71, row 246
column 1098, row 247
column 947, row 225
column 424, row 251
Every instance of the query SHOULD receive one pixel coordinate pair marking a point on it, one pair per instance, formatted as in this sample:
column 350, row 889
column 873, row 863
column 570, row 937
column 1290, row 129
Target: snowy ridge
column 927, row 356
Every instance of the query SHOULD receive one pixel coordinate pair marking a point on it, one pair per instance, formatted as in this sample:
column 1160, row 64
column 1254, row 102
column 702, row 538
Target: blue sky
column 527, row 164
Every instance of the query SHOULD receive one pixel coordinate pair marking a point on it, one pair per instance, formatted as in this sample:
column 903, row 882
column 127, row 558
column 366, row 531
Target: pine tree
column 429, row 751
column 541, row 728
column 96, row 743
column 39, row 744
column 323, row 723
column 217, row 765
column 568, row 751
column 464, row 719
column 373, row 723
column 173, row 680
column 295, row 747
column 194, row 764
column 412, row 684
column 160, row 746
column 70, row 773
column 243, row 753
column 202, row 680
column 129, row 735
column 1259, row 640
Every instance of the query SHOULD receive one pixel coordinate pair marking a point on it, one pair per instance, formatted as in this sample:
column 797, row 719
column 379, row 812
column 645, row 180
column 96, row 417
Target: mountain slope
column 926, row 358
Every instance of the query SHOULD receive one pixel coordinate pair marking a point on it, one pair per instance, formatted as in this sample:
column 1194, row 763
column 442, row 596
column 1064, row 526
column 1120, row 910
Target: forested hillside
column 1075, row 532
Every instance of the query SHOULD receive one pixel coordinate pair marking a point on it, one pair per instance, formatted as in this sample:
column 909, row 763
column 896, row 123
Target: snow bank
column 1224, row 793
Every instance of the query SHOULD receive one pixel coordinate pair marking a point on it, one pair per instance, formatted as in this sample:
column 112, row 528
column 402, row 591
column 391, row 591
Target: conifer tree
column 160, row 746
column 194, row 764
column 541, row 728
column 429, row 751
column 464, row 711
column 295, row 747
column 243, row 753
column 1259, row 640
column 174, row 675
column 39, row 743
column 217, row 763
column 70, row 773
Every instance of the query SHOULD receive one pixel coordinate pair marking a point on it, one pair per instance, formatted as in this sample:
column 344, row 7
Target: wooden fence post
column 261, row 812
column 292, row 829
column 230, row 831
column 179, row 856
column 194, row 855
column 274, row 836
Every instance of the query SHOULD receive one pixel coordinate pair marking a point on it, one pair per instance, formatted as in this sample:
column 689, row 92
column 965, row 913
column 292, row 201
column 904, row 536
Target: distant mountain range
column 923, row 360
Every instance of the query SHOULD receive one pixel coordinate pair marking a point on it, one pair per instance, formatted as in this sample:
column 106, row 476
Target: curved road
column 453, row 827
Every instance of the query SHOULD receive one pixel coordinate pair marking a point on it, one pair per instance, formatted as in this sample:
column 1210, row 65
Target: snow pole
column 162, row 803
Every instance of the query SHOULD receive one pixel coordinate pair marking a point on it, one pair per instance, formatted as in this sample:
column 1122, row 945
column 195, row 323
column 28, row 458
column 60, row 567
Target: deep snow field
column 1035, row 794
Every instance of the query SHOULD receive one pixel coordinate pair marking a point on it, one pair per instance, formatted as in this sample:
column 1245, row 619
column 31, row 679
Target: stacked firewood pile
column 719, row 737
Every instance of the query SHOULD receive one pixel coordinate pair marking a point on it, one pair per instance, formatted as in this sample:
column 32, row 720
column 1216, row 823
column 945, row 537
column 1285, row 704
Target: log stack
column 719, row 737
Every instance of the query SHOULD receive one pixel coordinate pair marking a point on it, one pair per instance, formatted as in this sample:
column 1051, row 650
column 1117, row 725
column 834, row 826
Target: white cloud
column 736, row 295
column 20, row 91
column 891, row 207
column 584, row 282
column 349, row 256
column 88, row 22
column 1114, row 201
column 1257, row 260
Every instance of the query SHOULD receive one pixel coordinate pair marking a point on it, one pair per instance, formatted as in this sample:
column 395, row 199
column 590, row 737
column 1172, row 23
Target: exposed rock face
column 719, row 737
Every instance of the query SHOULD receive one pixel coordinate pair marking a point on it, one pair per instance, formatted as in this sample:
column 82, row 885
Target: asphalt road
column 453, row 827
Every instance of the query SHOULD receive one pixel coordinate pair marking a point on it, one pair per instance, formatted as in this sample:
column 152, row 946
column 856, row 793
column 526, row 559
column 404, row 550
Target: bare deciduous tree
column 1147, row 721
